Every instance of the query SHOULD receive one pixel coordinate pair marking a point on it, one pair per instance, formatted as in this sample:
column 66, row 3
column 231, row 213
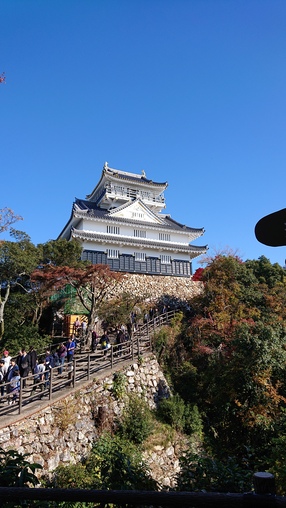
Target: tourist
column 24, row 366
column 3, row 374
column 49, row 364
column 83, row 328
column 71, row 345
column 14, row 386
column 77, row 326
column 119, row 340
column 62, row 353
column 11, row 368
column 39, row 371
column 93, row 340
column 7, row 358
column 105, row 342
column 19, row 358
column 32, row 359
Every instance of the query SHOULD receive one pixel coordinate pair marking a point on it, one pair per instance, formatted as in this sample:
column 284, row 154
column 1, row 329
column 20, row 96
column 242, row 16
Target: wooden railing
column 82, row 368
column 261, row 497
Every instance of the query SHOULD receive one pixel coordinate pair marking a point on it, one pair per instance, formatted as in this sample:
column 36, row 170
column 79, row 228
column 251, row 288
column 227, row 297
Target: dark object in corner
column 271, row 229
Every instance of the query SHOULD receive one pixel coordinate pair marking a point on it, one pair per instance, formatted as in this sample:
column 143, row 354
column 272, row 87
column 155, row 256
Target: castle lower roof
column 89, row 209
column 137, row 242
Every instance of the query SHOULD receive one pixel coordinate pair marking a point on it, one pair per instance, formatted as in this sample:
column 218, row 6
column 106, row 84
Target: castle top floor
column 117, row 187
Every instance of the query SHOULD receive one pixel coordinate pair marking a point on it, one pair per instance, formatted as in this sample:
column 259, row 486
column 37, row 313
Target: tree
column 17, row 260
column 116, row 311
column 55, row 253
column 63, row 253
column 93, row 284
column 7, row 216
column 230, row 356
column 236, row 340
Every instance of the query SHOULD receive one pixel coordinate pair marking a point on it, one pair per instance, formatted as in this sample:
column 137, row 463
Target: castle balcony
column 121, row 193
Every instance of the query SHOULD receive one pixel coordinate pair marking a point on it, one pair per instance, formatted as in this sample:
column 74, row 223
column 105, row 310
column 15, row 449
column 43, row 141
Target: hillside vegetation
column 227, row 358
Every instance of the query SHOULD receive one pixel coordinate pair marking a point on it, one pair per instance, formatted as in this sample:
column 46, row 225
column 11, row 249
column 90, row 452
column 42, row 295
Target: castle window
column 140, row 256
column 113, row 253
column 139, row 233
column 137, row 215
column 119, row 190
column 166, row 237
column 165, row 259
column 146, row 194
column 113, row 230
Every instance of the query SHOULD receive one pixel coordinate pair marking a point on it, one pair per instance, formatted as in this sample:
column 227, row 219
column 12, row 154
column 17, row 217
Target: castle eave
column 141, row 243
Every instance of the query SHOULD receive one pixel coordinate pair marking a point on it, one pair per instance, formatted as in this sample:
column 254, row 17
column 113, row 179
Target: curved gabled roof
column 166, row 221
column 116, row 175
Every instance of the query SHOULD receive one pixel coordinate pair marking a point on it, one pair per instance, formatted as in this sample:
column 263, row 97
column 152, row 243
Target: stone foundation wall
column 153, row 287
column 63, row 432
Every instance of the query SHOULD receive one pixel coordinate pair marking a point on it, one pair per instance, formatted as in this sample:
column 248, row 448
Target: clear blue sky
column 191, row 91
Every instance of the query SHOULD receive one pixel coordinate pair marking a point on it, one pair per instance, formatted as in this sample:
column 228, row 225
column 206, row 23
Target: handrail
column 146, row 498
column 81, row 368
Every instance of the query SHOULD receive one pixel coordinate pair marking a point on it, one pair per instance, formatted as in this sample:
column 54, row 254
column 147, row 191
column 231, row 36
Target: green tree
column 17, row 260
column 116, row 311
column 135, row 423
column 229, row 356
column 63, row 253
column 236, row 343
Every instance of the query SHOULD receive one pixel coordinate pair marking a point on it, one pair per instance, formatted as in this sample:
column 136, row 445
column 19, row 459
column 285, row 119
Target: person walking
column 71, row 345
column 62, row 353
column 24, row 366
column 105, row 342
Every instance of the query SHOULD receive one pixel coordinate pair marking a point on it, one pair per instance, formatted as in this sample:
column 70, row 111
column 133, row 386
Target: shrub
column 136, row 421
column 117, row 464
column 181, row 416
column 192, row 421
column 206, row 473
column 172, row 411
column 73, row 476
column 119, row 385
column 15, row 470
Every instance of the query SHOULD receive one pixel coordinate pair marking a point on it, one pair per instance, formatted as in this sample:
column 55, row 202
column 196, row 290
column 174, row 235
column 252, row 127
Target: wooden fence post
column 111, row 357
column 88, row 366
column 51, row 383
column 264, row 483
column 21, row 395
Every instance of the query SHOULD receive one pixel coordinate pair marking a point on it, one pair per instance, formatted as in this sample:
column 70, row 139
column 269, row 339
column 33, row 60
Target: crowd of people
column 28, row 362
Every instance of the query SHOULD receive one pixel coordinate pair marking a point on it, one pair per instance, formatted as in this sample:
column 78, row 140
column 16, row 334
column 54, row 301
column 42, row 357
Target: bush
column 172, row 411
column 15, row 470
column 206, row 473
column 119, row 385
column 73, row 476
column 117, row 464
column 192, row 421
column 160, row 340
column 181, row 416
column 135, row 424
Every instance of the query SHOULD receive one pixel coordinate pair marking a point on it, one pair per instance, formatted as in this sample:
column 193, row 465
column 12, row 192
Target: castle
column 121, row 224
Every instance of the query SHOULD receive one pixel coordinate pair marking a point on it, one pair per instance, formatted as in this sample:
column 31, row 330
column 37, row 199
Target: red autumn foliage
column 198, row 274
